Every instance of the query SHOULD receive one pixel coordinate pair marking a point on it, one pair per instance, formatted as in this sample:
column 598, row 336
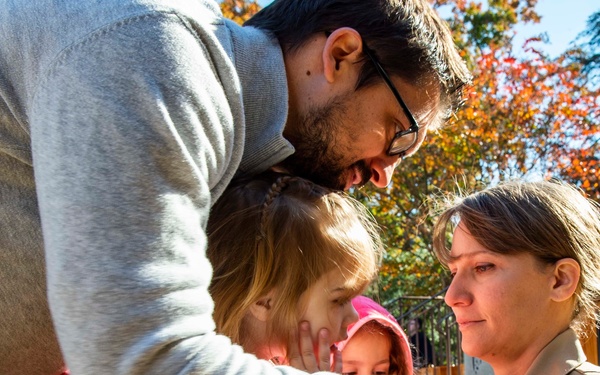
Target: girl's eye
column 341, row 301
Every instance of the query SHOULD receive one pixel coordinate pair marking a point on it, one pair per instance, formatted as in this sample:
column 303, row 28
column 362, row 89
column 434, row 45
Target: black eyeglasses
column 404, row 139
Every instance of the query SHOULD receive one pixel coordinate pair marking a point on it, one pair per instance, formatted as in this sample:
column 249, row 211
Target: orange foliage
column 526, row 116
column 239, row 10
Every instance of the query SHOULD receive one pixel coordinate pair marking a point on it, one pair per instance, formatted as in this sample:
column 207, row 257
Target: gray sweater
column 121, row 122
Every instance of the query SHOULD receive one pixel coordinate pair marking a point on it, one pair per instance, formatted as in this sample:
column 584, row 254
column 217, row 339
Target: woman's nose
column 457, row 293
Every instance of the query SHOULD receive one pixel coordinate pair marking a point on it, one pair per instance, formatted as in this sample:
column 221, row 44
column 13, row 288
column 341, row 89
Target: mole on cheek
column 308, row 72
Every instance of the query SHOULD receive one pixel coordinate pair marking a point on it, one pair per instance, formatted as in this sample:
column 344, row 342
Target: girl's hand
column 302, row 355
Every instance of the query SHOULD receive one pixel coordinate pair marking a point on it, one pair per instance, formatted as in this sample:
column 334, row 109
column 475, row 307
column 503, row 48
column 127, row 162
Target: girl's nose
column 352, row 315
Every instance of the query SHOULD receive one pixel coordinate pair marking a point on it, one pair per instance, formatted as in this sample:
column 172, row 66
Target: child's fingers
column 294, row 357
column 324, row 350
column 301, row 354
column 337, row 360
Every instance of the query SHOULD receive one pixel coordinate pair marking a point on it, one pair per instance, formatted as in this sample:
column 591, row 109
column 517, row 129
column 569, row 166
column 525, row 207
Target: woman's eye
column 483, row 268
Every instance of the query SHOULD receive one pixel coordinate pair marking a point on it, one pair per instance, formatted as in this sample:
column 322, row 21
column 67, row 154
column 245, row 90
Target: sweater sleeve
column 132, row 129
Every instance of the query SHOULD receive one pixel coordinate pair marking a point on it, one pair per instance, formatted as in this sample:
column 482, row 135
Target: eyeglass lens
column 402, row 143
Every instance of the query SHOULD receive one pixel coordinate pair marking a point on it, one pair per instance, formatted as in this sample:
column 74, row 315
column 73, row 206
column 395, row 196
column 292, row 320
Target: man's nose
column 382, row 170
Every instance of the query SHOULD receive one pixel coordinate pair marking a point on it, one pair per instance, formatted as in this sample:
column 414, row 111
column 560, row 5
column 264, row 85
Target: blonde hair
column 549, row 220
column 279, row 232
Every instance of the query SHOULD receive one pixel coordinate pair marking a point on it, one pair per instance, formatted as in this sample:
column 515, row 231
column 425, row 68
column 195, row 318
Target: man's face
column 344, row 142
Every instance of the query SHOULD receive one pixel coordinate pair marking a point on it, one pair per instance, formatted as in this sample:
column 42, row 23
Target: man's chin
column 334, row 184
column 335, row 179
column 344, row 181
column 358, row 176
column 329, row 181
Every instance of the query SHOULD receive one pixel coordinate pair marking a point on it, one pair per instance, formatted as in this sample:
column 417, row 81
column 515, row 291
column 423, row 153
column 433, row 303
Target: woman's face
column 327, row 304
column 367, row 353
column 502, row 303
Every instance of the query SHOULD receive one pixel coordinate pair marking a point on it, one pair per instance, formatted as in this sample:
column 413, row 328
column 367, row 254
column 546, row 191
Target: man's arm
column 131, row 129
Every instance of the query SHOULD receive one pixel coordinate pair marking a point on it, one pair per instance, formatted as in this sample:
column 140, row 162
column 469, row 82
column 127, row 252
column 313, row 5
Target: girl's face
column 326, row 304
column 502, row 303
column 367, row 353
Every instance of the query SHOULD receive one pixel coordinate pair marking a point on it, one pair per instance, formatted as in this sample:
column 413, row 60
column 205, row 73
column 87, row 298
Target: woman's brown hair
column 549, row 220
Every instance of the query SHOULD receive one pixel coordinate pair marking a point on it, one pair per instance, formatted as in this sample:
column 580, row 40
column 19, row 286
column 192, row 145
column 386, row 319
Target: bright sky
column 562, row 20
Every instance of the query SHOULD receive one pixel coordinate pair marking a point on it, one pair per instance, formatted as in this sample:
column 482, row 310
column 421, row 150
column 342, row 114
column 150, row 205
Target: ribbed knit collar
column 261, row 69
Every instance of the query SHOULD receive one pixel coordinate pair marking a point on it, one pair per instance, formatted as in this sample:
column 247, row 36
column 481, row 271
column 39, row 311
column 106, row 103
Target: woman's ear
column 566, row 276
column 343, row 48
column 261, row 309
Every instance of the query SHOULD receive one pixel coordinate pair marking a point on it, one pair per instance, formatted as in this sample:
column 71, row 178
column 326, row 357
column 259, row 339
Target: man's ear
column 565, row 279
column 261, row 309
column 343, row 48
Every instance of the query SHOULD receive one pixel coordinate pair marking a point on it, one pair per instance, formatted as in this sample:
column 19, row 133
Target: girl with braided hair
column 285, row 250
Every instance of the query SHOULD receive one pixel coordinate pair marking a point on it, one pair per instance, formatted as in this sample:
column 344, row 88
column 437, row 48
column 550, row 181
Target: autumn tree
column 239, row 10
column 527, row 115
column 589, row 48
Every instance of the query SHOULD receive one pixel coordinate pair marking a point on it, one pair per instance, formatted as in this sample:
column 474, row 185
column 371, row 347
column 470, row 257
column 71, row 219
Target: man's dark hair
column 408, row 38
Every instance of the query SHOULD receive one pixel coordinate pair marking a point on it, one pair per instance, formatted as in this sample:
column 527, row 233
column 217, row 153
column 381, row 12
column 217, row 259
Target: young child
column 285, row 250
column 376, row 344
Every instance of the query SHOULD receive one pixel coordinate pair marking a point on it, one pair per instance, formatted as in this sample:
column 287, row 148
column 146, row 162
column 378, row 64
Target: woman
column 525, row 261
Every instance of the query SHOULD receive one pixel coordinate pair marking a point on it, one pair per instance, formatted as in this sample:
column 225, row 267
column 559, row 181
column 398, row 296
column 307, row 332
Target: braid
column 274, row 191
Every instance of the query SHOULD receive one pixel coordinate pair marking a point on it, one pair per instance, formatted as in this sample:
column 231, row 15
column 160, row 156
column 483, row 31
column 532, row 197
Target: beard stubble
column 319, row 156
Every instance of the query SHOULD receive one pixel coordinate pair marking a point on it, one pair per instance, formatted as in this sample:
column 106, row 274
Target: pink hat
column 370, row 310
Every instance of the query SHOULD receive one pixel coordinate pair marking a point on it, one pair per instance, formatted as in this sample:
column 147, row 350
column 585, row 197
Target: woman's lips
column 464, row 324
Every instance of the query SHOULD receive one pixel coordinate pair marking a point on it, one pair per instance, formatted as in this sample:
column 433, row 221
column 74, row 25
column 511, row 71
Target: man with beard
column 122, row 121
